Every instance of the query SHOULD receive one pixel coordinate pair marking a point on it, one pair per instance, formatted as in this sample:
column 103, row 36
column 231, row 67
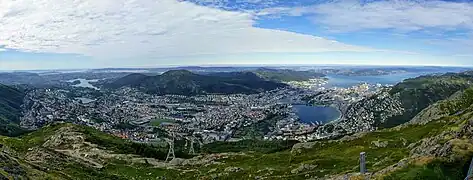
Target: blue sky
column 152, row 33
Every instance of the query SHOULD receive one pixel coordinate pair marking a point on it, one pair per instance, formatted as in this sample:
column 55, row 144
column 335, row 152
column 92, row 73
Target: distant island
column 287, row 75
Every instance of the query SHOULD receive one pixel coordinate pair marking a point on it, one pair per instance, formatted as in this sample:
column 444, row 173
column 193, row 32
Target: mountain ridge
column 183, row 82
column 397, row 105
column 286, row 75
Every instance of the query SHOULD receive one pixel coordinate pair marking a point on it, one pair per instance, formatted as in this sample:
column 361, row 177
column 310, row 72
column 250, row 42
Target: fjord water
column 85, row 83
column 316, row 114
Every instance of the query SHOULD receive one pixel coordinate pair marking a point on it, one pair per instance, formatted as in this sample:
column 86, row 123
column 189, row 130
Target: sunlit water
column 316, row 114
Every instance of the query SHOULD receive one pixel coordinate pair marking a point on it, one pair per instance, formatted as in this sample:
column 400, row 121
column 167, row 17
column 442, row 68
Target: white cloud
column 2, row 50
column 446, row 25
column 146, row 28
column 404, row 15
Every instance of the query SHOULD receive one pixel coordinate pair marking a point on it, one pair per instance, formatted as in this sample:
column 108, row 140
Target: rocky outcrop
column 177, row 161
column 432, row 147
column 380, row 144
column 11, row 166
column 432, row 113
column 303, row 168
column 233, row 169
column 299, row 147
column 436, row 111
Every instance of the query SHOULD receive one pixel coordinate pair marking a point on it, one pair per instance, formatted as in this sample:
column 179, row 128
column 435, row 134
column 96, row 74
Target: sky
column 77, row 34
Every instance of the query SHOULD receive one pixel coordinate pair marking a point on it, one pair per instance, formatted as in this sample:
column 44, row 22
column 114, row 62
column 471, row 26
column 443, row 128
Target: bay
column 316, row 114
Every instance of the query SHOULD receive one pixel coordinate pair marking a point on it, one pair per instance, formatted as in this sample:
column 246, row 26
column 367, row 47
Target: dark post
column 470, row 170
column 362, row 163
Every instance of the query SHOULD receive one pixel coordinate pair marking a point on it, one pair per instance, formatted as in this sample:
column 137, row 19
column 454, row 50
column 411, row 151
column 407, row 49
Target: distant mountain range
column 286, row 75
column 184, row 82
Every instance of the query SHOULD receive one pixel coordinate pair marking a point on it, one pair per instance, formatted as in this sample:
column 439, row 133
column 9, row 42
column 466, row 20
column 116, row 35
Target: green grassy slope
column 65, row 166
column 323, row 158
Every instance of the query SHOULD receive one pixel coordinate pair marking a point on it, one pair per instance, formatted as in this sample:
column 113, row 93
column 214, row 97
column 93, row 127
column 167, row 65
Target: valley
column 123, row 132
column 236, row 90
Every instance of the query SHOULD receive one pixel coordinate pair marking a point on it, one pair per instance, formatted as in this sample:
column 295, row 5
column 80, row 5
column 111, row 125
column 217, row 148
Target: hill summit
column 174, row 73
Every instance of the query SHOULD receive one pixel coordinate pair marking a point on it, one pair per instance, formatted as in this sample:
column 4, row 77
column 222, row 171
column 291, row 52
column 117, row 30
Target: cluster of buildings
column 132, row 114
column 316, row 84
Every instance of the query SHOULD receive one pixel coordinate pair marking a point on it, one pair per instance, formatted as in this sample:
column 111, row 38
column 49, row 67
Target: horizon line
column 242, row 65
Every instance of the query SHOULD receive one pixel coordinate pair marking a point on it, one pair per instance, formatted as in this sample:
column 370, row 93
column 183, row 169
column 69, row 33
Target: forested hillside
column 183, row 82
column 10, row 110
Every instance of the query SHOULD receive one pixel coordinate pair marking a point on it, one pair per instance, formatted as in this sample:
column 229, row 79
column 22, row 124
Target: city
column 236, row 89
column 211, row 117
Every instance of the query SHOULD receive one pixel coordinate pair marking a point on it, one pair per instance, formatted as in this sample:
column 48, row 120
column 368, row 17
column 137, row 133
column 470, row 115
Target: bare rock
column 303, row 168
column 233, row 169
column 176, row 161
column 212, row 170
column 299, row 147
column 380, row 144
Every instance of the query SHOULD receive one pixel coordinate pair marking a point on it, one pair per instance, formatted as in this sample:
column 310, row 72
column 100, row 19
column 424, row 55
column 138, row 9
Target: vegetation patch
column 435, row 170
column 159, row 121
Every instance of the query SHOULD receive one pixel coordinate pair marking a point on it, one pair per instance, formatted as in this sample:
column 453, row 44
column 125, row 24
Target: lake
column 316, row 114
column 85, row 83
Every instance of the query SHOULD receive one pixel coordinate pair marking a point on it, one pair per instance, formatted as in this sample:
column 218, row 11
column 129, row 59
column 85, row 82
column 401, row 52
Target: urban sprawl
column 132, row 114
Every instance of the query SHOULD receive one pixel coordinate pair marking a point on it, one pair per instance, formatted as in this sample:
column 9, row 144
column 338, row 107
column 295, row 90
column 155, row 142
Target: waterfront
column 85, row 83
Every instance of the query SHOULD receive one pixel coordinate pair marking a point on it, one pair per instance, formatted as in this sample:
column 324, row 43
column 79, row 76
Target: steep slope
column 67, row 151
column 10, row 110
column 439, row 148
column 131, row 79
column 398, row 104
column 184, row 82
column 419, row 93
column 14, row 168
